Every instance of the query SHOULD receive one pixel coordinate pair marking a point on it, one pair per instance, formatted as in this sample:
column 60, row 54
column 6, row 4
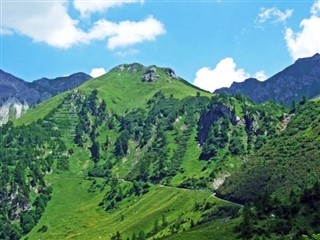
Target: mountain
column 135, row 152
column 282, row 178
column 52, row 87
column 300, row 79
column 34, row 92
column 139, row 153
column 12, row 86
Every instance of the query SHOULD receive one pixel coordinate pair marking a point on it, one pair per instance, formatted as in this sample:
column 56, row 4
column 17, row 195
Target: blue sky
column 209, row 43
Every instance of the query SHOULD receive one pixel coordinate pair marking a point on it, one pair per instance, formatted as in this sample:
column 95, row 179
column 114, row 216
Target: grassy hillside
column 143, row 153
column 123, row 90
column 74, row 213
column 41, row 110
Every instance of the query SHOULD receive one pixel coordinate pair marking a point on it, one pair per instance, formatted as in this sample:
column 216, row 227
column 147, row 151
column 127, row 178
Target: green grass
column 191, row 165
column 73, row 212
column 41, row 110
column 124, row 91
column 216, row 230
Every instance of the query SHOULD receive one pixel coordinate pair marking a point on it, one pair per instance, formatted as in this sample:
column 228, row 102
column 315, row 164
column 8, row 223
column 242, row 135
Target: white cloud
column 88, row 7
column 129, row 52
column 49, row 22
column 274, row 14
column 127, row 33
column 97, row 72
column 306, row 42
column 261, row 75
column 42, row 21
column 315, row 8
column 223, row 75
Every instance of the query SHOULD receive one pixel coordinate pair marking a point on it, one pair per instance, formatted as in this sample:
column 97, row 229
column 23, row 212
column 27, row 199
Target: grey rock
column 171, row 73
column 149, row 75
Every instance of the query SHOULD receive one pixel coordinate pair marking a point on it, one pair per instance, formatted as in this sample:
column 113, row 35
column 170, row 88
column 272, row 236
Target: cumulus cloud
column 97, row 72
column 274, row 14
column 315, row 8
column 127, row 33
column 223, row 75
column 42, row 21
column 261, row 75
column 306, row 42
column 49, row 22
column 88, row 7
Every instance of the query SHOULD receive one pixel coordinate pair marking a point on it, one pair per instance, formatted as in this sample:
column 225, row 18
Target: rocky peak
column 171, row 73
column 131, row 68
column 150, row 75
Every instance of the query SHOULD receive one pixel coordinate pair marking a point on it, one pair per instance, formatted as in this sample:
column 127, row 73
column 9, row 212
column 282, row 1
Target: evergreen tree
column 95, row 151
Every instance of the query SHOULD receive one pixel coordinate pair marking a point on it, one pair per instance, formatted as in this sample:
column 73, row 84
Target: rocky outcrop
column 209, row 118
column 298, row 80
column 12, row 109
column 150, row 75
column 171, row 73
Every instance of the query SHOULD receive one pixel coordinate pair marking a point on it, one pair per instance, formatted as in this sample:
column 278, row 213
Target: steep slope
column 282, row 180
column 300, row 79
column 30, row 94
column 142, row 138
column 288, row 162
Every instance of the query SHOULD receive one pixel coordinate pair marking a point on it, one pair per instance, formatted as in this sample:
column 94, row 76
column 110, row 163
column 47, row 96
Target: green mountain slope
column 288, row 163
column 282, row 179
column 123, row 89
column 142, row 154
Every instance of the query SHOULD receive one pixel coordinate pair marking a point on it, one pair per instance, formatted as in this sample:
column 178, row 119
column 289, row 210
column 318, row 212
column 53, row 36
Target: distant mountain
column 300, row 79
column 11, row 86
column 58, row 85
column 16, row 93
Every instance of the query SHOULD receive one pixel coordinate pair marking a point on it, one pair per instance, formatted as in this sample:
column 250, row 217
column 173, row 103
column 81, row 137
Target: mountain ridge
column 302, row 78
column 37, row 91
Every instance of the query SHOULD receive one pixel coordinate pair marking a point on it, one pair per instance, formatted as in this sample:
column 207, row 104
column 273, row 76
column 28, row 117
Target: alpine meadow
column 138, row 152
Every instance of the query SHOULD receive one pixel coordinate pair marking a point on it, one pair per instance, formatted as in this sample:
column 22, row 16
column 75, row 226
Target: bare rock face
column 131, row 68
column 300, row 79
column 12, row 109
column 150, row 75
column 171, row 73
